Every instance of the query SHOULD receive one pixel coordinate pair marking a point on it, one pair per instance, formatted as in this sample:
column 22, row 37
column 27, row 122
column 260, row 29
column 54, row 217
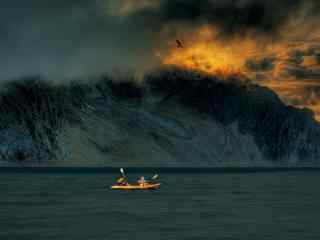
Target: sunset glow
column 203, row 53
column 204, row 50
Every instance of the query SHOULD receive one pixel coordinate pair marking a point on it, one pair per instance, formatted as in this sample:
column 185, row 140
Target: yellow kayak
column 149, row 186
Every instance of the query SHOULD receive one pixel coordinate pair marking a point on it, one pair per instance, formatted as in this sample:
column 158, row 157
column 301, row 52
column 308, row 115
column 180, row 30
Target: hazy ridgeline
column 170, row 118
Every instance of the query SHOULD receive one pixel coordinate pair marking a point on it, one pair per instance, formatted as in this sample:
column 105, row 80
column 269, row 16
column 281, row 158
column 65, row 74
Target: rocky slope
column 171, row 118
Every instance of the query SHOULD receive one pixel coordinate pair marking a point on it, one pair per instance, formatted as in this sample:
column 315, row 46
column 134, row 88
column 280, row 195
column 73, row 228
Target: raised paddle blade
column 122, row 172
column 156, row 176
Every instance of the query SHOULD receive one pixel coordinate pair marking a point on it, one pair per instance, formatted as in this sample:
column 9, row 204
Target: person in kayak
column 122, row 181
column 142, row 181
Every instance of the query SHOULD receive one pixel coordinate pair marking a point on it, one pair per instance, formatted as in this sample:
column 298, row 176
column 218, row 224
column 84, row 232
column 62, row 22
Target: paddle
column 122, row 172
column 123, row 175
column 156, row 176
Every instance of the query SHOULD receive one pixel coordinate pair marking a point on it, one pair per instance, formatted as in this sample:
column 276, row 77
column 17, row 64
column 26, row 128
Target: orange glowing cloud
column 205, row 51
column 202, row 52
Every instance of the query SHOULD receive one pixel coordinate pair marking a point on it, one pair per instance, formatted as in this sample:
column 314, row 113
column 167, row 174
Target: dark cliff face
column 277, row 129
column 37, row 110
column 40, row 111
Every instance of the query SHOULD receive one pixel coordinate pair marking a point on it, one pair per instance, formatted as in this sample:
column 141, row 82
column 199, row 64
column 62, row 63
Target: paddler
column 142, row 181
column 122, row 181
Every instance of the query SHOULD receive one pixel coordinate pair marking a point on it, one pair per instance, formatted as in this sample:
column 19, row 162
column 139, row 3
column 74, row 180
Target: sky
column 275, row 43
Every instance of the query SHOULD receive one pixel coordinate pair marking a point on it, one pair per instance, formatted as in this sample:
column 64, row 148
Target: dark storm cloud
column 303, row 73
column 303, row 64
column 68, row 38
column 65, row 39
column 296, row 57
column 317, row 56
column 235, row 15
column 260, row 65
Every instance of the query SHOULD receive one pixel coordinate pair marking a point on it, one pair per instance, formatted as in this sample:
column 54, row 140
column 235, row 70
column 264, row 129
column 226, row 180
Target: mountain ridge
column 173, row 117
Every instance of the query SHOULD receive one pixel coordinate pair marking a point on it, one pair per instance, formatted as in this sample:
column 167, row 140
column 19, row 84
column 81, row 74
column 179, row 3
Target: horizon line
column 194, row 170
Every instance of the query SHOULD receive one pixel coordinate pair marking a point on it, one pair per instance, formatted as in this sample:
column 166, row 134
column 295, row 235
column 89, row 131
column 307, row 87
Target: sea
column 191, row 204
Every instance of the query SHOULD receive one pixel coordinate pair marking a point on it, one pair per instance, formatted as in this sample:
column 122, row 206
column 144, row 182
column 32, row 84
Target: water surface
column 278, row 205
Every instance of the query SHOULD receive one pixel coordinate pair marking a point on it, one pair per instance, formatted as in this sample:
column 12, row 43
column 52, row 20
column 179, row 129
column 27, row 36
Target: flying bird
column 179, row 44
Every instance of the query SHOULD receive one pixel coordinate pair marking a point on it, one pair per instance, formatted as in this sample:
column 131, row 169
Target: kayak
column 151, row 186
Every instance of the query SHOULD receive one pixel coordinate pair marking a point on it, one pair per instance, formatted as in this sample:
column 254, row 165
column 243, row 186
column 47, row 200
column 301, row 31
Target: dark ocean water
column 265, row 205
